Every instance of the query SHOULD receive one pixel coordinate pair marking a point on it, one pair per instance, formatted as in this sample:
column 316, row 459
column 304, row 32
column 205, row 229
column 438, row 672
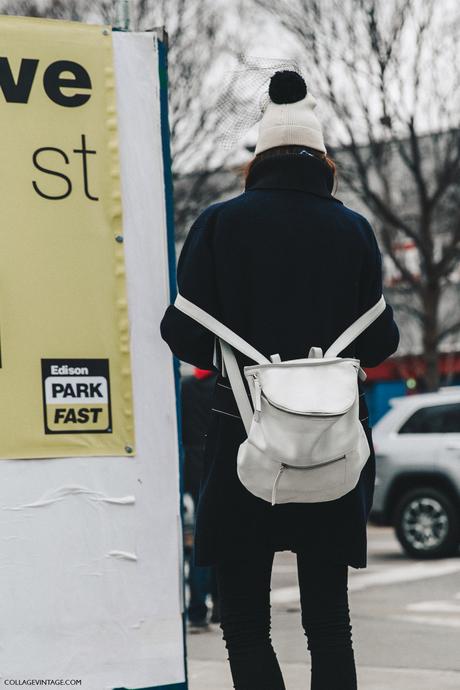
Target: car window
column 437, row 419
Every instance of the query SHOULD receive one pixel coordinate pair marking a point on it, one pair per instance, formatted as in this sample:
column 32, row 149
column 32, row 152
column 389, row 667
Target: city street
column 405, row 616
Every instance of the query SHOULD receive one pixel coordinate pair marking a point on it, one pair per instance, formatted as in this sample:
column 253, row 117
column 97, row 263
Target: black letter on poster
column 17, row 92
column 54, row 83
column 51, row 172
column 84, row 152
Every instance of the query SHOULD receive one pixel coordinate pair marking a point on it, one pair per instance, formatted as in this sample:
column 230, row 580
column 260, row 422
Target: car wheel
column 427, row 523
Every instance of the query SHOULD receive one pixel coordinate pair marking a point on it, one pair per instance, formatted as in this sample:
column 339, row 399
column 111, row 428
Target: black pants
column 244, row 591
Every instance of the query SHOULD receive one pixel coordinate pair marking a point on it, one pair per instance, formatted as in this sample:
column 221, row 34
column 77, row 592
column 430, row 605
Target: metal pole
column 122, row 17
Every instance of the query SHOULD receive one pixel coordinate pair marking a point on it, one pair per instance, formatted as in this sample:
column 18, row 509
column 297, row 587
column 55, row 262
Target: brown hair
column 277, row 150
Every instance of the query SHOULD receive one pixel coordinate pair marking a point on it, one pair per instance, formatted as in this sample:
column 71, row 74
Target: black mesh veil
column 244, row 95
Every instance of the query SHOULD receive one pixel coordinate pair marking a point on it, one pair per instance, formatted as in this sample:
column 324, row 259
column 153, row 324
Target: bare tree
column 390, row 75
column 198, row 46
column 53, row 9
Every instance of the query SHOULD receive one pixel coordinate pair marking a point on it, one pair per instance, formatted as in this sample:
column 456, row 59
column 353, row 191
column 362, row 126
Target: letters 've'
column 53, row 82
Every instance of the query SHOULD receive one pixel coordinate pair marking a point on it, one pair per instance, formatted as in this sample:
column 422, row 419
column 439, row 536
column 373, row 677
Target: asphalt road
column 405, row 617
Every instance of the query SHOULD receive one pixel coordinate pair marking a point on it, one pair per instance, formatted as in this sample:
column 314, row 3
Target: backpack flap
column 308, row 387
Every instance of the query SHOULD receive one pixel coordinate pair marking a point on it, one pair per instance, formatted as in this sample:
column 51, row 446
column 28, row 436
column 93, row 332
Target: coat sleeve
column 196, row 281
column 381, row 338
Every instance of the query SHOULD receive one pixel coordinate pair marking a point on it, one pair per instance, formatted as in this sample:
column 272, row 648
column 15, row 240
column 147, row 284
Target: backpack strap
column 356, row 328
column 236, row 380
column 227, row 338
column 219, row 329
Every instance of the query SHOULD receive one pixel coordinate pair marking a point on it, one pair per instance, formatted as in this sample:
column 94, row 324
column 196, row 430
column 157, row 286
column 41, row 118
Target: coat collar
column 305, row 173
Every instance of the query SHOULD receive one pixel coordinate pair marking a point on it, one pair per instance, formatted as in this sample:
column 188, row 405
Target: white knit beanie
column 289, row 117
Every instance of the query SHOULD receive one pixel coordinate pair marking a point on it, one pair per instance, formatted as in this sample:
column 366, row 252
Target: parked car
column 417, row 489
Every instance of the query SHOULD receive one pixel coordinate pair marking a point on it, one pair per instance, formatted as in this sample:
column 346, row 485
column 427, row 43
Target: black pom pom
column 287, row 87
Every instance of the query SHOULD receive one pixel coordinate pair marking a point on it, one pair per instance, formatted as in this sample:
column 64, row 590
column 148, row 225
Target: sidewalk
column 215, row 675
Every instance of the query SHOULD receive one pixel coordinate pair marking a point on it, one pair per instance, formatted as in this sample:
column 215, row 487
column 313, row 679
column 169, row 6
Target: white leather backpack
column 305, row 443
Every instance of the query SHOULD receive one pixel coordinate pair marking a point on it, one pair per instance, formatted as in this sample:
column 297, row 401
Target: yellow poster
column 65, row 376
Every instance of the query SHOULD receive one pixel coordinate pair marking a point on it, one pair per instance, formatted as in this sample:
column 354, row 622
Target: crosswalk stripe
column 390, row 576
column 405, row 573
column 429, row 620
column 441, row 606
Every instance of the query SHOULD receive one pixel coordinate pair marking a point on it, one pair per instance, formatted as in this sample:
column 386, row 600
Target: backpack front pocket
column 279, row 482
column 326, row 481
column 328, row 474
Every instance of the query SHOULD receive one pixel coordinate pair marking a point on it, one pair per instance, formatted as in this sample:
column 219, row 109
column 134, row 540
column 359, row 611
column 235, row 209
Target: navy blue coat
column 286, row 266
